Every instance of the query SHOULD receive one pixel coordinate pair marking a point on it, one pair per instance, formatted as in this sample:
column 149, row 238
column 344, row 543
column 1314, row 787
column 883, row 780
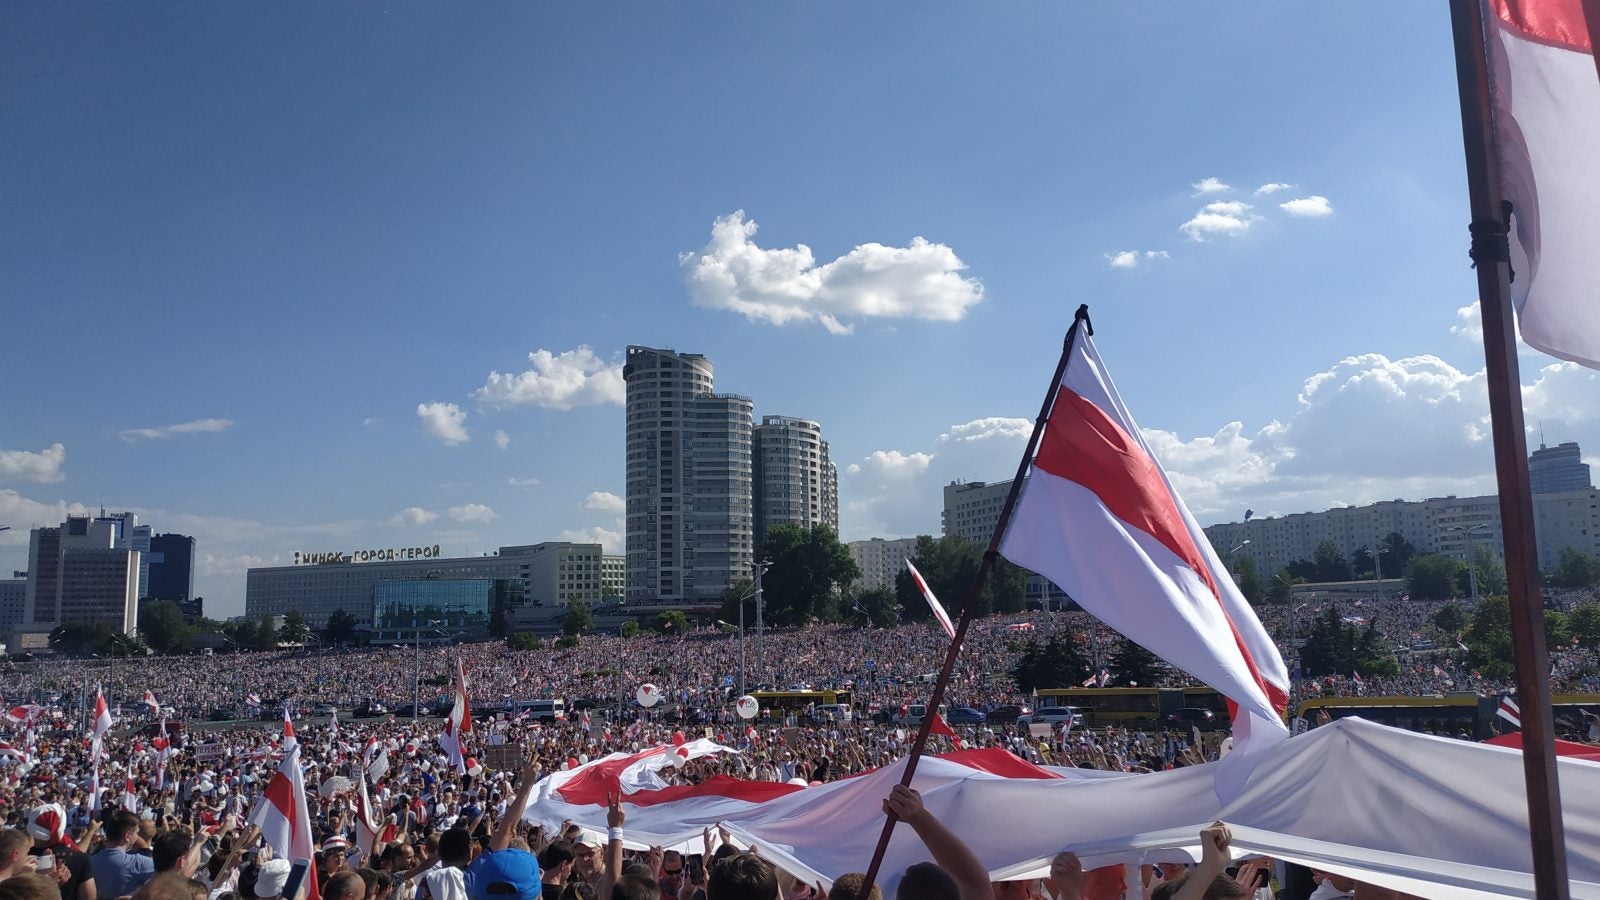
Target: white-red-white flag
column 458, row 724
column 283, row 819
column 366, row 817
column 102, row 716
column 130, row 797
column 1099, row 517
column 940, row 726
column 150, row 701
column 933, row 602
column 1509, row 711
column 289, row 740
column 163, row 748
column 1547, row 135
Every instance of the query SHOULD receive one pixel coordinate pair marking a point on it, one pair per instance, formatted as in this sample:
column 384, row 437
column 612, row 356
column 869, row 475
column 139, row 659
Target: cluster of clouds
column 1225, row 216
column 922, row 280
column 43, row 466
column 1366, row 428
column 467, row 513
column 198, row 426
column 561, row 381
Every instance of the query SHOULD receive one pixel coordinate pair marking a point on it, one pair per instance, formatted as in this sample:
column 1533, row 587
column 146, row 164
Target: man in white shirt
column 444, row 880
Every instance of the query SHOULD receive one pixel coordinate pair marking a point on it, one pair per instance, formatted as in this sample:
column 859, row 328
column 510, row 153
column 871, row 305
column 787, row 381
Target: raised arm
column 948, row 851
column 613, row 869
column 1214, row 858
column 507, row 829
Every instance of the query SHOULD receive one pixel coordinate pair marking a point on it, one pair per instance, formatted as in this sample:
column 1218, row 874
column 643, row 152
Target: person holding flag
column 283, row 819
column 452, row 740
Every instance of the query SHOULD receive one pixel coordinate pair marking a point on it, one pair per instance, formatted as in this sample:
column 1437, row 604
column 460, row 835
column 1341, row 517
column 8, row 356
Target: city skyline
column 371, row 283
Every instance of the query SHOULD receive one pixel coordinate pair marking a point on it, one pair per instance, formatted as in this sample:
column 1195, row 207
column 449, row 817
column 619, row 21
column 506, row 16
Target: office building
column 795, row 481
column 437, row 610
column 613, row 576
column 13, row 599
column 171, row 567
column 85, row 571
column 1449, row 525
column 690, row 498
column 971, row 511
column 552, row 573
column 880, row 561
column 1553, row 470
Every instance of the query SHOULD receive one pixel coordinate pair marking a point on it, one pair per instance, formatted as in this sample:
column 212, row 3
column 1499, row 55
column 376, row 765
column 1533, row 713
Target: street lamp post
column 1377, row 563
column 416, row 675
column 1472, row 562
column 761, row 644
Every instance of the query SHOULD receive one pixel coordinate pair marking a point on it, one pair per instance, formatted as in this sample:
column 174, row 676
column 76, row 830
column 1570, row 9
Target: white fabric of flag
column 1546, row 96
column 933, row 602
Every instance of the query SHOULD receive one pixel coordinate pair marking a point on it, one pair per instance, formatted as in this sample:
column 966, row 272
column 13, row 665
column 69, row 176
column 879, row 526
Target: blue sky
column 300, row 232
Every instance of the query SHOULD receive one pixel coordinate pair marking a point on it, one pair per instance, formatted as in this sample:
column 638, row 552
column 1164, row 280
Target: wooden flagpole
column 969, row 599
column 1491, row 219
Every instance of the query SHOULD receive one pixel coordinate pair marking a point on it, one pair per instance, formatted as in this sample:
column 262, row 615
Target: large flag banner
column 458, row 724
column 933, row 602
column 1098, row 516
column 282, row 816
column 1547, row 136
column 102, row 716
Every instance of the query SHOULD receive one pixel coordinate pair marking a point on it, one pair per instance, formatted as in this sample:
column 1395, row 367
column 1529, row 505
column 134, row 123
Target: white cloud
column 198, row 426
column 892, row 464
column 556, row 381
column 522, row 482
column 1565, row 392
column 471, row 512
column 43, row 466
column 1210, row 186
column 609, row 541
column 1129, row 259
column 1469, row 324
column 991, row 427
column 1225, row 217
column 369, row 421
column 1315, row 205
column 778, row 286
column 501, row 439
column 22, row 514
column 445, row 421
column 604, row 501
column 232, row 566
column 1272, row 188
column 413, row 516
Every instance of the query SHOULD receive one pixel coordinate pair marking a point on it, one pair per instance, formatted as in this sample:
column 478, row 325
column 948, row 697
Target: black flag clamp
column 1083, row 314
column 1491, row 240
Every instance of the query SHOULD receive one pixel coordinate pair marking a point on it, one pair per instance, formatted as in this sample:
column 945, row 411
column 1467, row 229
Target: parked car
column 1190, row 717
column 834, row 712
column 965, row 715
column 371, row 709
column 1005, row 715
column 1052, row 715
column 324, row 709
column 174, row 728
column 912, row 716
column 223, row 714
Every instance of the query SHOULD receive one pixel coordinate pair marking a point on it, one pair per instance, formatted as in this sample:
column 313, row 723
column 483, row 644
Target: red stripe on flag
column 1083, row 445
column 1559, row 23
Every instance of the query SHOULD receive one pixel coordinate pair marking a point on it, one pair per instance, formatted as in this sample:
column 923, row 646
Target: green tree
column 741, row 592
column 809, row 568
column 340, row 629
column 1057, row 663
column 1556, row 631
column 1576, row 569
column 629, row 629
column 120, row 644
column 1432, row 576
column 1450, row 619
column 672, row 622
column 266, row 634
column 1281, row 590
column 1361, row 562
column 1330, row 562
column 1488, row 568
column 161, row 626
column 295, row 630
column 1134, row 665
column 577, row 620
column 1584, row 624
column 879, row 606
column 1301, row 570
column 1248, row 577
column 1396, row 553
column 1488, row 638
column 950, row 565
column 80, row 638
column 524, row 640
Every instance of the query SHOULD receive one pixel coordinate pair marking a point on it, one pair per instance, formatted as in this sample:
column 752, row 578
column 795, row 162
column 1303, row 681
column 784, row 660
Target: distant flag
column 933, row 602
column 1103, row 679
column 150, row 701
column 1090, row 681
column 1510, row 712
column 130, row 797
column 1099, row 517
column 7, row 750
column 253, row 699
column 163, row 748
column 102, row 716
column 289, row 740
column 940, row 726
column 25, row 713
column 1543, row 85
column 458, row 724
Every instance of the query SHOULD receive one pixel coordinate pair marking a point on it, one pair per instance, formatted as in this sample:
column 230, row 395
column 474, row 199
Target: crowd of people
column 168, row 820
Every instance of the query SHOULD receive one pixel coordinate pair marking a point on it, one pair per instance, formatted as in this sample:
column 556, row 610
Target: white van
column 915, row 711
column 834, row 712
column 543, row 710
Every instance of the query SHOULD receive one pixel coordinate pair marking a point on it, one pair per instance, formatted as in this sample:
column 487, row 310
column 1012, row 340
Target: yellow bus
column 1132, row 706
column 1464, row 712
column 777, row 704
